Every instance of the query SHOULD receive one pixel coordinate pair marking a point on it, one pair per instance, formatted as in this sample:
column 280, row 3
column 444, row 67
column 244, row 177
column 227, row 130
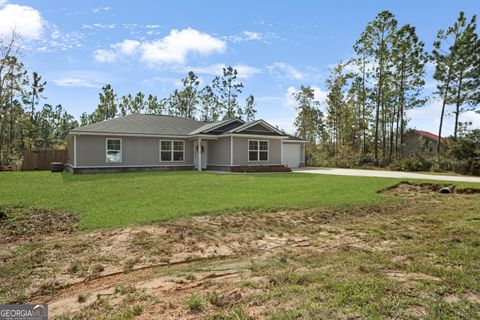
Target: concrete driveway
column 386, row 174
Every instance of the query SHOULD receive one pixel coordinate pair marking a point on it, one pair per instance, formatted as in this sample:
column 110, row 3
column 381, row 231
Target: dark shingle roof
column 209, row 126
column 144, row 124
column 290, row 137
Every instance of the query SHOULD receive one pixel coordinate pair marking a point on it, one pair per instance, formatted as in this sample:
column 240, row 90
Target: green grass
column 113, row 200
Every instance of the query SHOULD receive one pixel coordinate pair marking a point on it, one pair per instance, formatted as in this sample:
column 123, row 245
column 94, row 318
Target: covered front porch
column 238, row 153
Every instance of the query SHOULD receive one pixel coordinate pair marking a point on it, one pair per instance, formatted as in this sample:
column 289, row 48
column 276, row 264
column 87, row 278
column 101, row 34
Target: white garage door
column 291, row 155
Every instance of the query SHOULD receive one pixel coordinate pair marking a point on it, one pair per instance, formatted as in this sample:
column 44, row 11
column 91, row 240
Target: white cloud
column 2, row 2
column 127, row 46
column 152, row 26
column 172, row 49
column 80, row 78
column 75, row 82
column 24, row 20
column 103, row 56
column 101, row 9
column 250, row 36
column 285, row 71
column 99, row 26
column 175, row 47
column 244, row 71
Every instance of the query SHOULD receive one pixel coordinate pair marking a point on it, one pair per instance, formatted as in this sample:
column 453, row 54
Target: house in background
column 156, row 142
column 418, row 143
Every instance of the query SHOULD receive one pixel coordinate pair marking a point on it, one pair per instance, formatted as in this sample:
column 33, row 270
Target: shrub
column 194, row 303
column 412, row 164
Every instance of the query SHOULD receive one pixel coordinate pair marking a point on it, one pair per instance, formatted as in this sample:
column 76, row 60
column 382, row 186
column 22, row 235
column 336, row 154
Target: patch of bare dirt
column 414, row 276
column 410, row 189
column 28, row 224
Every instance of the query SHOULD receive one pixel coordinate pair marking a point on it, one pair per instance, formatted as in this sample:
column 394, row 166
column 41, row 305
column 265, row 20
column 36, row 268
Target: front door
column 203, row 151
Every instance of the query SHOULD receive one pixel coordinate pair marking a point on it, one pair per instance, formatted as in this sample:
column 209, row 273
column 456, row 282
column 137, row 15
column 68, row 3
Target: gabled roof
column 143, row 124
column 160, row 125
column 244, row 127
column 429, row 135
column 214, row 125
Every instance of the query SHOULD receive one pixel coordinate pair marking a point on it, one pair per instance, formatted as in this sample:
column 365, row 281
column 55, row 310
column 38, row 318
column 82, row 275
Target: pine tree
column 228, row 88
column 448, row 56
column 190, row 95
column 376, row 42
column 408, row 58
column 466, row 75
column 249, row 111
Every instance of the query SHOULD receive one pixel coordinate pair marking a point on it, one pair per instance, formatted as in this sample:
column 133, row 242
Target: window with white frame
column 257, row 150
column 172, row 151
column 114, row 150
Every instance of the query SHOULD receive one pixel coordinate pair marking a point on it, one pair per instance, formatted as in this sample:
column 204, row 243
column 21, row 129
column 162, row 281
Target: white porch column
column 74, row 150
column 231, row 151
column 199, row 150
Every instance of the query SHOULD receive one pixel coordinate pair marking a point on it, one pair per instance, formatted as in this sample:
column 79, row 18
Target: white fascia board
column 259, row 136
column 116, row 134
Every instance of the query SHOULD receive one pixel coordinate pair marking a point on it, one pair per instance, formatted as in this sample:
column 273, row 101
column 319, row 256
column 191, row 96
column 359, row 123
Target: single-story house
column 157, row 142
column 418, row 143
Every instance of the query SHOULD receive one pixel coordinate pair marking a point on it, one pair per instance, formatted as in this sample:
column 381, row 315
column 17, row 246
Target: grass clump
column 195, row 303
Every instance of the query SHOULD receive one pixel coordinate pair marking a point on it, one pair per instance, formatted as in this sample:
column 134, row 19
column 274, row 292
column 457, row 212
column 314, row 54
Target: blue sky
column 148, row 46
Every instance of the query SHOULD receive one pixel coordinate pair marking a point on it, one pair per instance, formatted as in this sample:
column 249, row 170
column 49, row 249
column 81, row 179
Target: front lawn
column 113, row 200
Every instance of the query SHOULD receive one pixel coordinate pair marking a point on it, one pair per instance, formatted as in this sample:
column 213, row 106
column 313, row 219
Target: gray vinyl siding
column 219, row 152
column 240, row 152
column 136, row 151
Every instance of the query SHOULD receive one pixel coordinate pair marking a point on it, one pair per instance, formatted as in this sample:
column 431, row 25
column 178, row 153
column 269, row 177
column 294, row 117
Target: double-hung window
column 114, row 150
column 257, row 150
column 172, row 151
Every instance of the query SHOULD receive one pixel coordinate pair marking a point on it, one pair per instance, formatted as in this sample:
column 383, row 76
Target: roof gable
column 257, row 127
column 218, row 127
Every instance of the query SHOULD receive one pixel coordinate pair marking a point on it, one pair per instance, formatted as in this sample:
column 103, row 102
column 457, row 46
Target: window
column 257, row 150
column 114, row 151
column 172, row 151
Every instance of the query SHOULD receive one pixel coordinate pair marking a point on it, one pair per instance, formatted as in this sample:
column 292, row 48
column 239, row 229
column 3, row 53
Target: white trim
column 204, row 136
column 231, row 150
column 295, row 141
column 113, row 134
column 74, row 150
column 199, row 150
column 215, row 137
column 258, row 136
column 261, row 122
column 258, row 151
column 171, row 151
column 281, row 153
column 106, row 149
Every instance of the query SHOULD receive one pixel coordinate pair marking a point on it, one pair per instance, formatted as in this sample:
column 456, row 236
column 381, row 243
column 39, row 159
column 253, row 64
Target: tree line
column 26, row 122
column 368, row 96
column 212, row 102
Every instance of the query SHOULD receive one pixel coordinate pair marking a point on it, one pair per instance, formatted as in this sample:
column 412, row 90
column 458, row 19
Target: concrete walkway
column 386, row 174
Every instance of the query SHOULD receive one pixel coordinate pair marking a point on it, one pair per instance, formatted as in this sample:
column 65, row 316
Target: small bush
column 96, row 269
column 194, row 303
column 82, row 298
